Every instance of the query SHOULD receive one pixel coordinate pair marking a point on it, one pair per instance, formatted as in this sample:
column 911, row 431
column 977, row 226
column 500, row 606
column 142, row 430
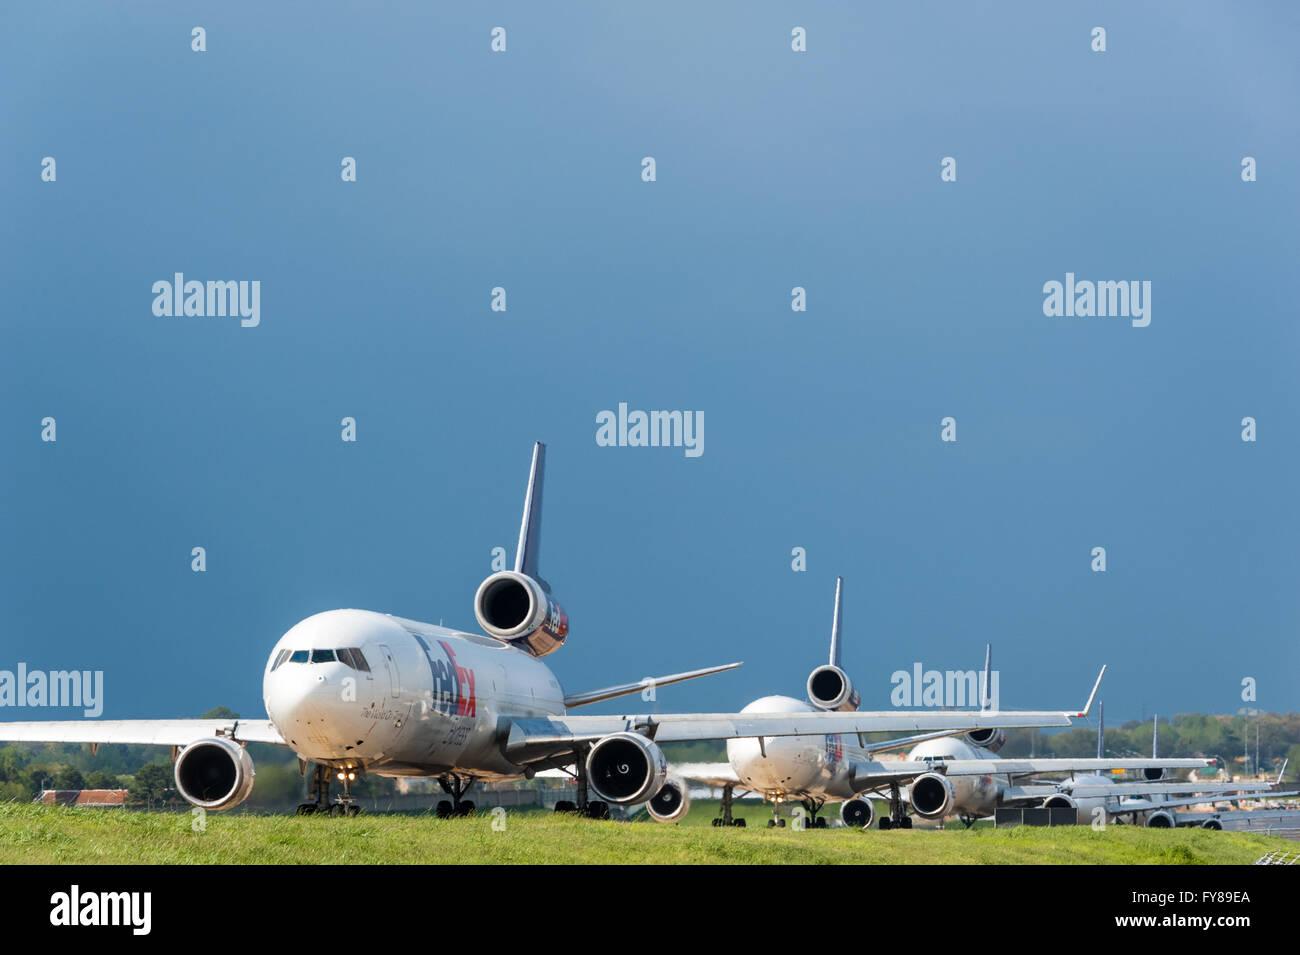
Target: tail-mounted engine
column 989, row 738
column 932, row 796
column 517, row 609
column 829, row 689
column 671, row 803
column 626, row 768
column 214, row 773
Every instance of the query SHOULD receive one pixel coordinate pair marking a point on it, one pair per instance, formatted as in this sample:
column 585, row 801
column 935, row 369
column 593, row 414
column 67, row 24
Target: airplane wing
column 1154, row 804
column 1185, row 787
column 146, row 732
column 1034, row 766
column 572, row 700
column 529, row 739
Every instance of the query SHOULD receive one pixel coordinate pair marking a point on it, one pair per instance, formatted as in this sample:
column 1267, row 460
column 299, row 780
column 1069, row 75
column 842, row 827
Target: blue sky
column 774, row 170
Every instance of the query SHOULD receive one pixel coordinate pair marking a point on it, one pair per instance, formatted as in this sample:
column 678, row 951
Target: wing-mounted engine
column 1060, row 801
column 829, row 689
column 1161, row 819
column 858, row 813
column 932, row 796
column 517, row 609
column 1151, row 774
column 626, row 768
column 989, row 738
column 214, row 773
column 671, row 803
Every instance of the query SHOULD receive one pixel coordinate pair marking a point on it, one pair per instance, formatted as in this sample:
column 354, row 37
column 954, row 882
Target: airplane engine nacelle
column 626, row 768
column 990, row 739
column 1212, row 824
column 1151, row 774
column 858, row 813
column 1161, row 819
column 671, row 802
column 829, row 689
column 214, row 773
column 1060, row 801
column 517, row 609
column 932, row 796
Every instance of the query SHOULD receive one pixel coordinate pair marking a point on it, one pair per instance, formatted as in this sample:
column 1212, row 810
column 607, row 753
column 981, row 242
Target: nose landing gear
column 455, row 787
column 319, row 794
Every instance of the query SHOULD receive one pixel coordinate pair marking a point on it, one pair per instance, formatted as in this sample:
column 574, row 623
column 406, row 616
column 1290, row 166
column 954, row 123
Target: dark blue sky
column 775, row 170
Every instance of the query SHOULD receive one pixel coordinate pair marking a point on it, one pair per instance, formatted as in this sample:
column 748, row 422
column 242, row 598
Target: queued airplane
column 815, row 770
column 1153, row 801
column 354, row 692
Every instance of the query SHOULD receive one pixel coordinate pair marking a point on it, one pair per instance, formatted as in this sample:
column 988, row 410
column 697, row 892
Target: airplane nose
column 305, row 708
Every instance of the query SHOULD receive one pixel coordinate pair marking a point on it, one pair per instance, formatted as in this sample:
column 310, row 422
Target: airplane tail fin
column 986, row 696
column 1101, row 730
column 528, row 553
column 835, row 621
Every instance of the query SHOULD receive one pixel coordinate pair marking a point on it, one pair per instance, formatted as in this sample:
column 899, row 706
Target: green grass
column 43, row 835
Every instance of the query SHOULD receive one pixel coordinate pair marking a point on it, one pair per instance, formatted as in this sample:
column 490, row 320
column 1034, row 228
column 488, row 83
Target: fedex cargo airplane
column 945, row 775
column 354, row 692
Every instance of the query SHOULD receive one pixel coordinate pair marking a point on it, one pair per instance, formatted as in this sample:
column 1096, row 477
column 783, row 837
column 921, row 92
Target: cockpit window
column 322, row 656
column 279, row 658
column 345, row 656
column 298, row 656
column 359, row 659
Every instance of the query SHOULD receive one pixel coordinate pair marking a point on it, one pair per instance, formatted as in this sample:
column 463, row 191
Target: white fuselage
column 429, row 703
column 792, row 767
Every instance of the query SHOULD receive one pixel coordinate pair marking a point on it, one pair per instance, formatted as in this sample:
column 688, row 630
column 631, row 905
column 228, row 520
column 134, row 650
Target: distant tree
column 69, row 778
column 220, row 713
column 101, row 780
column 151, row 786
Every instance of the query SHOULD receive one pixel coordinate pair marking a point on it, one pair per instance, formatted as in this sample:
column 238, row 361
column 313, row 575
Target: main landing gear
column 897, row 818
column 587, row 808
column 726, row 819
column 456, row 788
column 319, row 794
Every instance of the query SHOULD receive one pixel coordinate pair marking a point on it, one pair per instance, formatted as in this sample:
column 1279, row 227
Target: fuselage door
column 390, row 665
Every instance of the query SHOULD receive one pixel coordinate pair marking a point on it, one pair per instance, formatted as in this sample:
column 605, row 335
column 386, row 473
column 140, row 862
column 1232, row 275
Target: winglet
column 835, row 621
column 986, row 700
column 1155, row 733
column 1093, row 695
column 1281, row 771
column 530, row 530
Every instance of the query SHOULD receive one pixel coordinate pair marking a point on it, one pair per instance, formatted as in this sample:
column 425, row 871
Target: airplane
column 1100, row 797
column 354, row 692
column 814, row 770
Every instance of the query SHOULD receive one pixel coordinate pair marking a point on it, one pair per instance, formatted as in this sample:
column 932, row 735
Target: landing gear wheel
column 597, row 810
column 780, row 823
column 443, row 809
column 354, row 810
column 336, row 809
column 464, row 808
column 905, row 824
column 566, row 805
column 739, row 822
column 717, row 823
column 886, row 823
column 820, row 823
column 306, row 809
